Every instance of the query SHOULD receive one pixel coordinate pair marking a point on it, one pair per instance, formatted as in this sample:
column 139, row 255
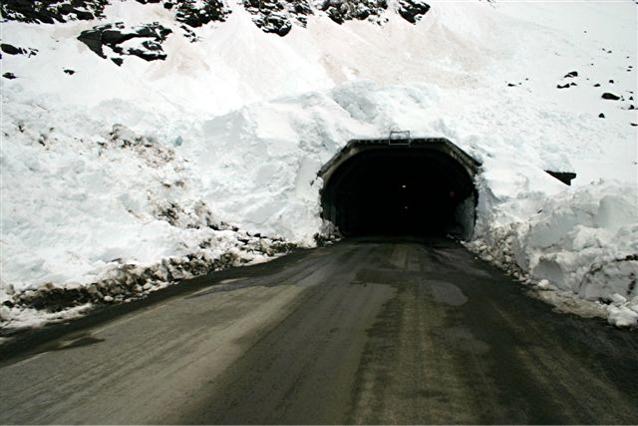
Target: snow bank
column 582, row 242
column 93, row 212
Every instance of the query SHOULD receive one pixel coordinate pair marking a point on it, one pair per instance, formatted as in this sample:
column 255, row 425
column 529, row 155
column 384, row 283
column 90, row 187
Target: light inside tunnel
column 401, row 190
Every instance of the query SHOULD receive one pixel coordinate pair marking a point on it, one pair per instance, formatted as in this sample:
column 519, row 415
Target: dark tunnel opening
column 422, row 189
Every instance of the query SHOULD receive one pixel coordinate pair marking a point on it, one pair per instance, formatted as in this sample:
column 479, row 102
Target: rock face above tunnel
column 276, row 16
column 52, row 11
column 271, row 16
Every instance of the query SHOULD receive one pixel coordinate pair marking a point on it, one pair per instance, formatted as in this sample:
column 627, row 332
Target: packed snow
column 116, row 177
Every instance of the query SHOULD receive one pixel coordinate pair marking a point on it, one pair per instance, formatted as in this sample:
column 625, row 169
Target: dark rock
column 278, row 16
column 601, row 115
column 113, row 35
column 341, row 11
column 634, row 124
column 189, row 34
column 631, row 107
column 611, row 81
column 413, row 10
column 597, row 85
column 196, row 13
column 51, row 11
column 275, row 23
column 118, row 61
column 610, row 96
column 511, row 85
column 68, row 71
column 93, row 40
column 571, row 74
column 565, row 177
column 9, row 75
column 563, row 86
column 11, row 50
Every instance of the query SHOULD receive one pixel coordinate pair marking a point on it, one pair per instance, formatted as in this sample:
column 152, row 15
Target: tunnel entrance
column 421, row 187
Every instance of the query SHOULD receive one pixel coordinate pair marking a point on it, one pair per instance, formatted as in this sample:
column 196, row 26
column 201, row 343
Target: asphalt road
column 381, row 331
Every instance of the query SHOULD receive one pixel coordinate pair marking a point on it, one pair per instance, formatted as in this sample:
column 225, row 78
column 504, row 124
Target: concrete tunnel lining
column 421, row 186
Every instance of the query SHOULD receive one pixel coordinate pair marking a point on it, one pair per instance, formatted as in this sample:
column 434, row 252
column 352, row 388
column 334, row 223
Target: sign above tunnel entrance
column 399, row 137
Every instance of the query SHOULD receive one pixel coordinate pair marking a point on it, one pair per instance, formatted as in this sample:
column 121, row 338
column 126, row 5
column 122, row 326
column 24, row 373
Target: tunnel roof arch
column 358, row 146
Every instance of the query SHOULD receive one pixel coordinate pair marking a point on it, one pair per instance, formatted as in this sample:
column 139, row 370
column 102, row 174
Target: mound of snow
column 582, row 241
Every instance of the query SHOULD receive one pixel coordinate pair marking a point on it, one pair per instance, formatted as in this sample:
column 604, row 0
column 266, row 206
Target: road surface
column 365, row 331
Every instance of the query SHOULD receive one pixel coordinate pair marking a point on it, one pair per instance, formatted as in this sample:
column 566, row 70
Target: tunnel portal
column 416, row 187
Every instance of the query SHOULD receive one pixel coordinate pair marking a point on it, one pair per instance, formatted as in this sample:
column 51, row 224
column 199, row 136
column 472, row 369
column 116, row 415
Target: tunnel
column 417, row 187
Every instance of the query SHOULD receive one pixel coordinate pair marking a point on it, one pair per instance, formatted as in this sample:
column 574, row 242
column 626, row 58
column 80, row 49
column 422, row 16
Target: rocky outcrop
column 413, row 10
column 52, row 11
column 144, row 42
column 277, row 16
column 113, row 41
column 610, row 96
column 194, row 13
column 13, row 50
column 346, row 10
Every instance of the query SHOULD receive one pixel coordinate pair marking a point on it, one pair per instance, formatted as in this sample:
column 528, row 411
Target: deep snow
column 132, row 164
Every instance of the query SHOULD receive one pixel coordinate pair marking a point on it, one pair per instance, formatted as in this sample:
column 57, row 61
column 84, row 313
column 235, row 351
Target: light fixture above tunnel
column 422, row 186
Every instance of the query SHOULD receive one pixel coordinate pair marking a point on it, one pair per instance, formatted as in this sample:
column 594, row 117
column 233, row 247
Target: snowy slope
column 108, row 165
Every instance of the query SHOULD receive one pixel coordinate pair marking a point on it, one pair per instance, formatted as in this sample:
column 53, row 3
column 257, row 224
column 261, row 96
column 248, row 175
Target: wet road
column 381, row 331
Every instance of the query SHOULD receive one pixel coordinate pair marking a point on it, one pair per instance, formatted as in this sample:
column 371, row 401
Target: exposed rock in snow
column 272, row 16
column 128, row 281
column 12, row 50
column 51, row 11
column 610, row 96
column 196, row 13
column 413, row 10
column 276, row 16
column 144, row 42
column 344, row 10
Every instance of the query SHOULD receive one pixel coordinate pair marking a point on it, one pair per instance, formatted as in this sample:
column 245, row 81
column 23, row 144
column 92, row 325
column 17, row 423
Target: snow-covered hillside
column 149, row 140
